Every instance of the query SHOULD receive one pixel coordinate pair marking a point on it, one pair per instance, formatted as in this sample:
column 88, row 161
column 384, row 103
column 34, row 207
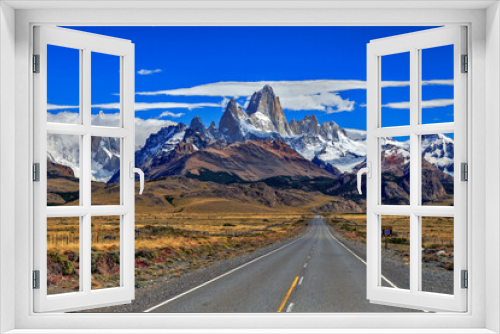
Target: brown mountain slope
column 249, row 161
column 186, row 195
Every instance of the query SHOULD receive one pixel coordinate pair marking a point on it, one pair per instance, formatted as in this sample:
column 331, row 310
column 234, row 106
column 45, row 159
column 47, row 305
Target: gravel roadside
column 394, row 268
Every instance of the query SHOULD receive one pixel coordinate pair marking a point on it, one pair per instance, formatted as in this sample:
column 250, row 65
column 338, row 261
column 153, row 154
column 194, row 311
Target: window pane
column 63, row 85
column 437, row 254
column 395, row 248
column 437, row 85
column 438, row 169
column 105, row 252
column 395, row 169
column 395, row 92
column 63, row 169
column 63, row 255
column 105, row 90
column 105, row 170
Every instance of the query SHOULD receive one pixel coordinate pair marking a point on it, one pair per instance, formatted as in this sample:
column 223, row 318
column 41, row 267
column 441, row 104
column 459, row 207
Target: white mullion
column 96, row 210
column 127, row 184
column 434, row 211
column 67, row 129
column 103, row 131
column 430, row 129
column 108, row 210
column 373, row 119
column 396, row 131
column 80, row 161
column 85, row 168
column 392, row 210
column 460, row 155
column 66, row 211
column 415, row 168
column 76, row 129
column 40, row 156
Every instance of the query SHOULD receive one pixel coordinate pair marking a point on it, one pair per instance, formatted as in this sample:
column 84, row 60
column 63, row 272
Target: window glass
column 63, row 255
column 63, row 85
column 105, row 90
column 395, row 89
column 105, row 252
column 437, row 254
column 63, row 170
column 395, row 169
column 437, row 85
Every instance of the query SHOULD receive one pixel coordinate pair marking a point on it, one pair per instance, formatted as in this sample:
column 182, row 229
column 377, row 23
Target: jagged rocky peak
column 213, row 131
column 164, row 140
column 212, row 126
column 309, row 125
column 330, row 130
column 266, row 113
column 231, row 120
column 294, row 127
column 197, row 125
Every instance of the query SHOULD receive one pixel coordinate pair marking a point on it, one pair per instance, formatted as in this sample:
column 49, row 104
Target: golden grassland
column 166, row 244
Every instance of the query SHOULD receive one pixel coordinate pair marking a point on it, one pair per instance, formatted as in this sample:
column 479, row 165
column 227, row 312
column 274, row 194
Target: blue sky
column 198, row 59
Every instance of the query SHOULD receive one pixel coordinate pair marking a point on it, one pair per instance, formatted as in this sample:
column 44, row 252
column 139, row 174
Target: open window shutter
column 419, row 292
column 65, row 234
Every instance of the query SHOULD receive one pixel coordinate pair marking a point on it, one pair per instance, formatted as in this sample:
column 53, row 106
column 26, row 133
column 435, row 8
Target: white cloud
column 438, row 82
column 294, row 95
column 143, row 127
column 170, row 114
column 148, row 72
column 425, row 104
column 140, row 106
column 58, row 107
column 327, row 101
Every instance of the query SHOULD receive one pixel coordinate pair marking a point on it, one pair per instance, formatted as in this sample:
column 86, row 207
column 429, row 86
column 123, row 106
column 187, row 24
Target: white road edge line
column 225, row 274
column 300, row 280
column 289, row 308
column 359, row 258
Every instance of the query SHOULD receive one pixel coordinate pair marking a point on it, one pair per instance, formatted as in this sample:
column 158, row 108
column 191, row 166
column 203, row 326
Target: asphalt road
column 314, row 273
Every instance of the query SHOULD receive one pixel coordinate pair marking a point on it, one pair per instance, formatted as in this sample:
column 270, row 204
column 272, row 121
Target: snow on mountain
column 105, row 155
column 326, row 142
column 105, row 158
column 160, row 143
column 64, row 150
column 355, row 134
column 392, row 150
column 265, row 119
column 438, row 149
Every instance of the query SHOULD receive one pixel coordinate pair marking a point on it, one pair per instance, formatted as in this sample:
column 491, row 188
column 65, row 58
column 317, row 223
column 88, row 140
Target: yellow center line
column 288, row 294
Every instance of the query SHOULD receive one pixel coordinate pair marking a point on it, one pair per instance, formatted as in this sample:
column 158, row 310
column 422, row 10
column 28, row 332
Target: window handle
column 134, row 170
column 368, row 171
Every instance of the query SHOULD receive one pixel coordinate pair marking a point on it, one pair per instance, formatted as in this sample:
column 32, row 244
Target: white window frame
column 413, row 44
column 85, row 43
column 482, row 315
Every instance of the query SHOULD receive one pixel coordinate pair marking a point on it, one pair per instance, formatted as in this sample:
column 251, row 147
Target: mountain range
column 259, row 144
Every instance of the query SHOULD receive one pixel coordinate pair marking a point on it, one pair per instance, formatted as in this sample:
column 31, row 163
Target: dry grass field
column 167, row 244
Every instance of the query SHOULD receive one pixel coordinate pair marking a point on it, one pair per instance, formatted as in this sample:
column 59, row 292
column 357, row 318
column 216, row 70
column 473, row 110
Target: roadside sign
column 387, row 231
